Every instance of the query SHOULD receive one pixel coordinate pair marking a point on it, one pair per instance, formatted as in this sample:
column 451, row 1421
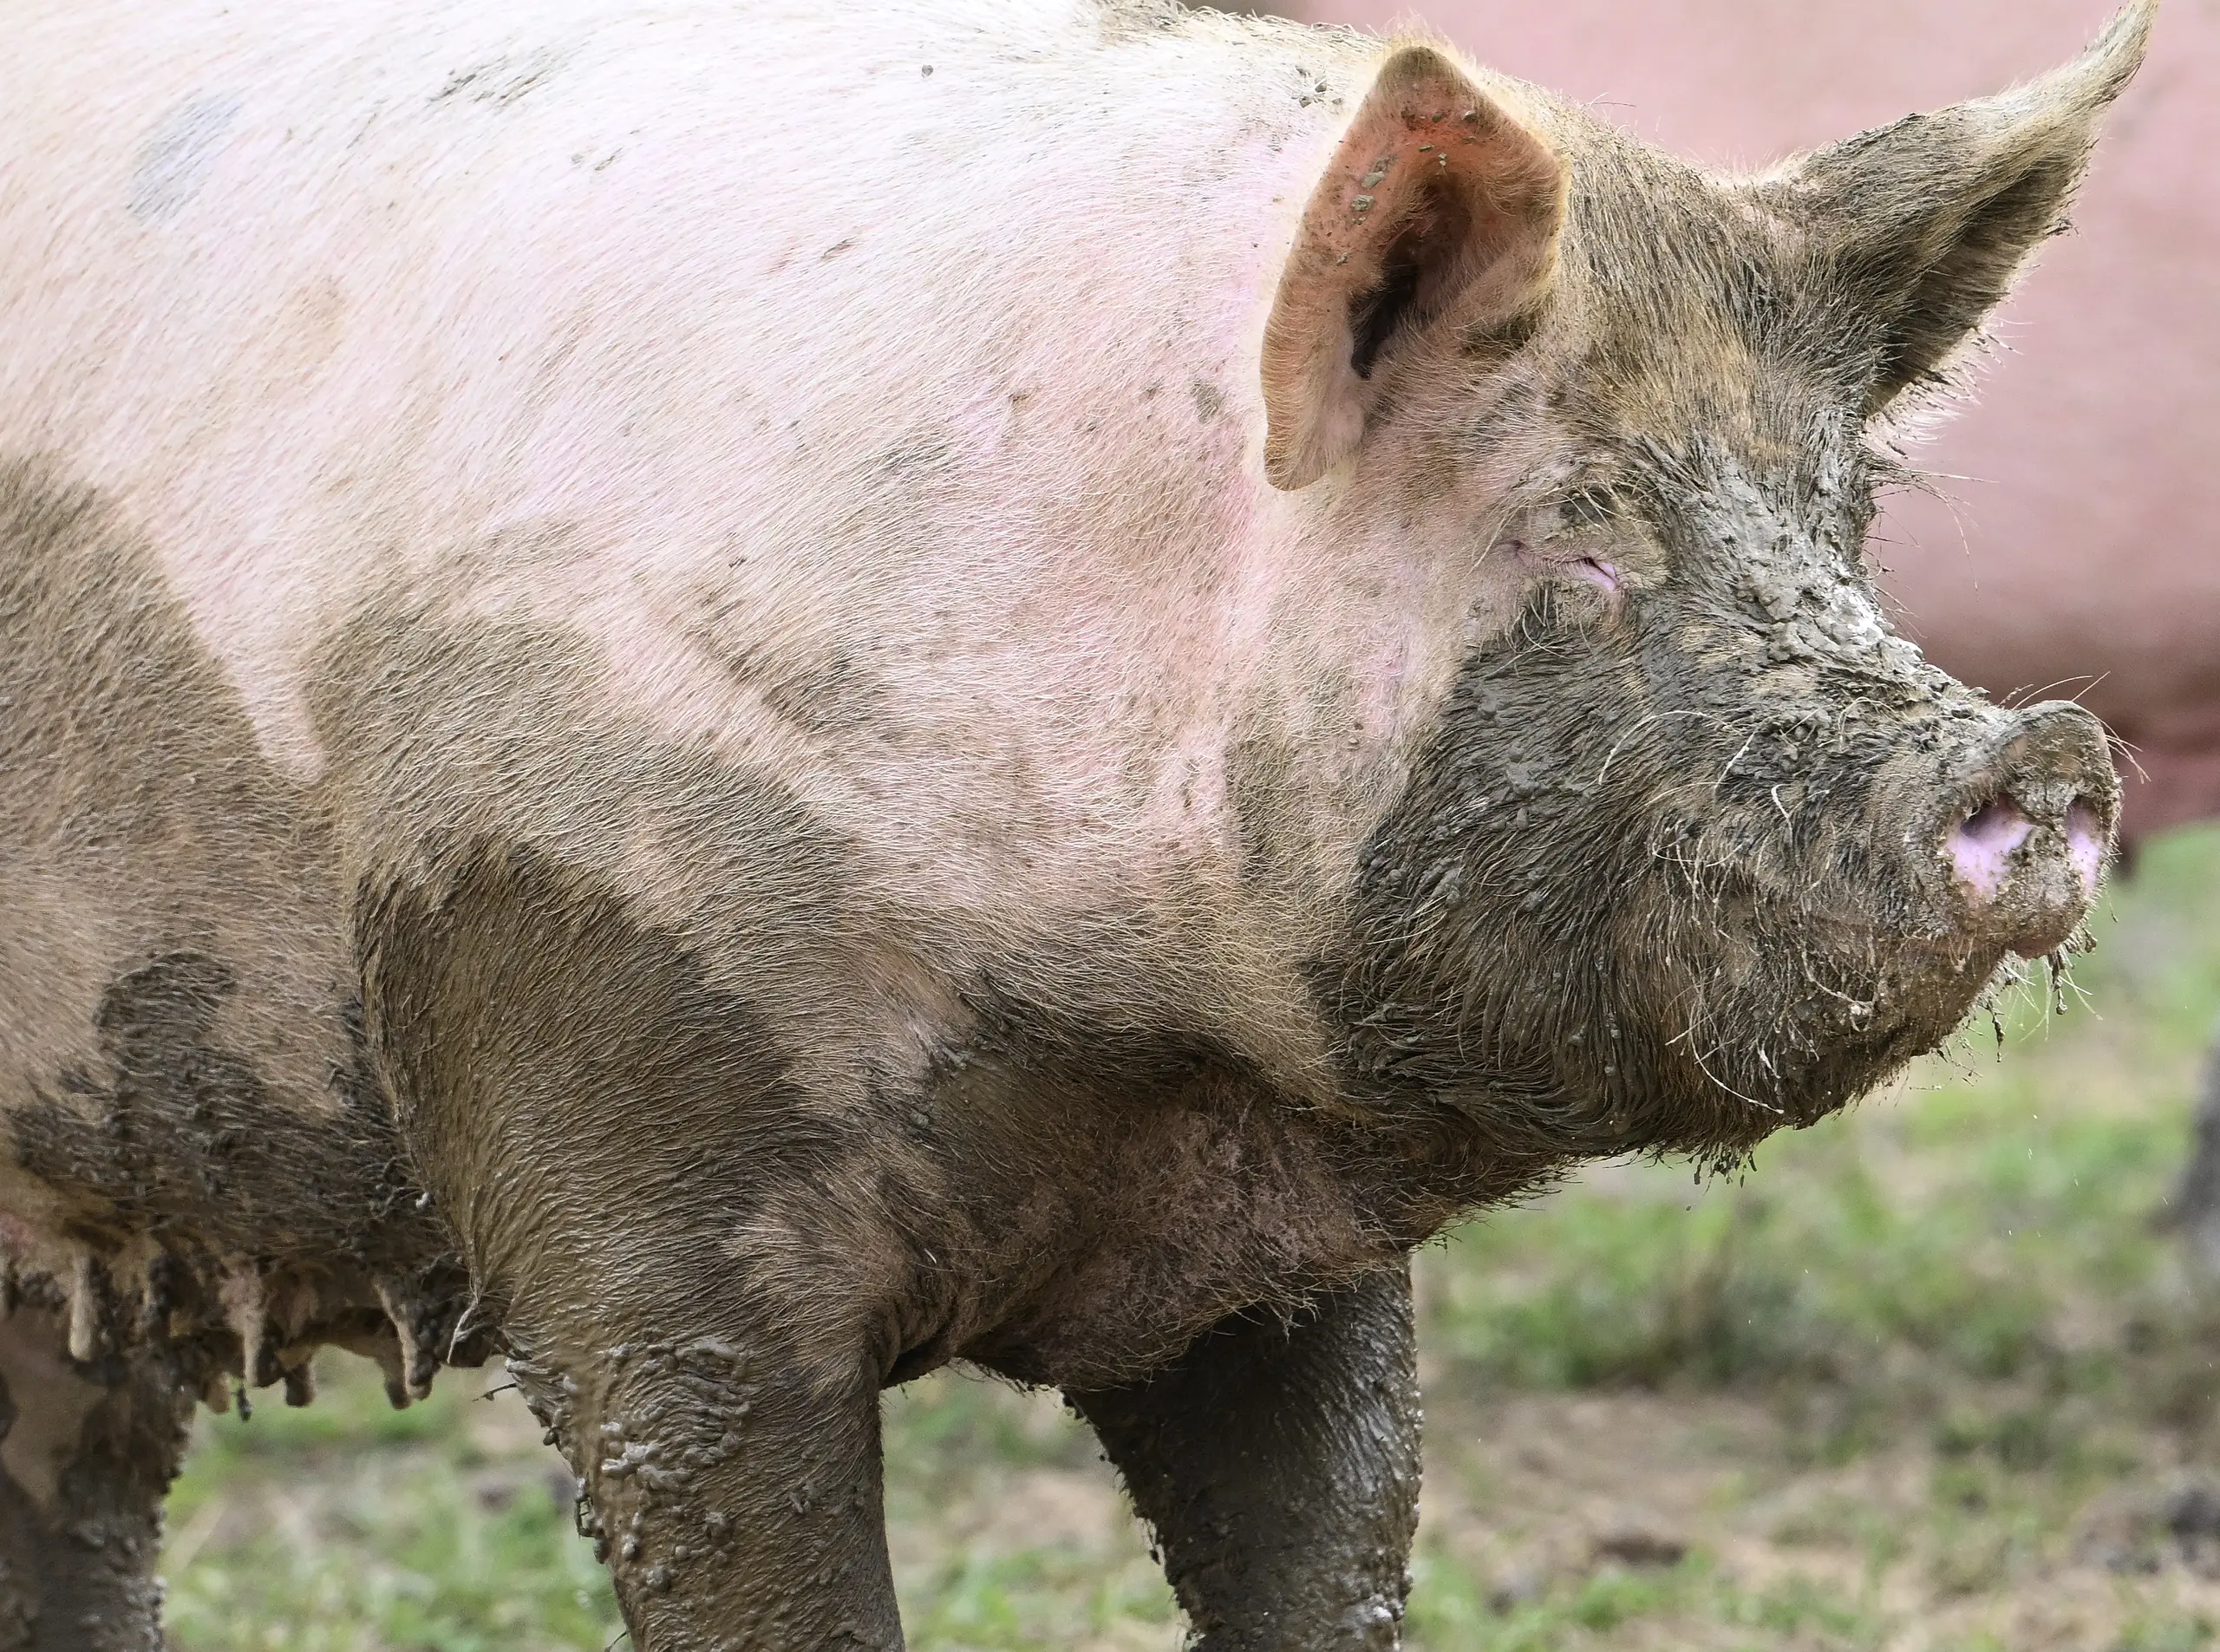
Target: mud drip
column 210, row 1223
column 221, row 1330
column 104, row 1350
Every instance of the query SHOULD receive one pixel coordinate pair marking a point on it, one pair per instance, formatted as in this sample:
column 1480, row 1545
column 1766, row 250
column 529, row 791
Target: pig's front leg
column 1280, row 1470
column 636, row 1188
column 734, row 1495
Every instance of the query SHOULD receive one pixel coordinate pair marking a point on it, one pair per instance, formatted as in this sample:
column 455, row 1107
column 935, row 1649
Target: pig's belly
column 196, row 1149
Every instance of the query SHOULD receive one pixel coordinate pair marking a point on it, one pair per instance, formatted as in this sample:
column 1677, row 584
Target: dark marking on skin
column 1125, row 22
column 1263, row 784
column 836, row 695
column 177, row 1136
column 174, row 160
column 1210, row 400
column 919, row 458
column 501, row 81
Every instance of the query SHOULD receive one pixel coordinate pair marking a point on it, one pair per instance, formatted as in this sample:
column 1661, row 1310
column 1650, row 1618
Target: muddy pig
column 2064, row 540
column 736, row 701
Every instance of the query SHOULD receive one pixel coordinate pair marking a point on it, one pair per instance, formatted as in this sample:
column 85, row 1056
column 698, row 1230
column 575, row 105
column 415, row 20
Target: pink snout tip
column 1981, row 846
column 2085, row 845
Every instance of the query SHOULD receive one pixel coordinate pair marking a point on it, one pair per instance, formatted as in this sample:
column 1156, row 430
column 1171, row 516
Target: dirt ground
column 2020, row 1515
column 1643, row 1520
column 1929, row 1378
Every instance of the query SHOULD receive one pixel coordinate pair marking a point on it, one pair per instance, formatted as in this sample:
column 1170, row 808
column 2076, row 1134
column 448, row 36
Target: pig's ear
column 1924, row 226
column 1439, row 212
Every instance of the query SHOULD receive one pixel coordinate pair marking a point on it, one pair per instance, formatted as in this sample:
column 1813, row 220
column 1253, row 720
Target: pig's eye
column 1599, row 571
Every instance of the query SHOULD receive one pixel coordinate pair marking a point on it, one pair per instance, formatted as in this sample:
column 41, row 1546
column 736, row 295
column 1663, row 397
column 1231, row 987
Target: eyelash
column 1594, row 571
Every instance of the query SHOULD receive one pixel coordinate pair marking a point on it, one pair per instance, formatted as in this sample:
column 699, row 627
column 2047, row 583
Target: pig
column 2057, row 542
column 1032, row 696
column 2061, row 539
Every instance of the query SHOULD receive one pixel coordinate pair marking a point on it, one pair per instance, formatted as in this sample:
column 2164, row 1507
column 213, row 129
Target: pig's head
column 1694, row 845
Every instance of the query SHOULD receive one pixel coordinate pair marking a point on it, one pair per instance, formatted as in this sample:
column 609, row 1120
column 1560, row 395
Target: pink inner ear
column 1437, row 204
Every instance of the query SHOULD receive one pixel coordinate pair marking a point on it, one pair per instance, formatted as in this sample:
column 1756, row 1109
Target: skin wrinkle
column 739, row 825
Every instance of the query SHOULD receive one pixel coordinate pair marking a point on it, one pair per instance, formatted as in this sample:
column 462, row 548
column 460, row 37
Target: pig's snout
column 2025, row 835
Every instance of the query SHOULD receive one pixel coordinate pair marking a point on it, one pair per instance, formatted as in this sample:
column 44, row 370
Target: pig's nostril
column 1998, row 826
column 1981, row 845
column 1999, row 822
column 2085, row 843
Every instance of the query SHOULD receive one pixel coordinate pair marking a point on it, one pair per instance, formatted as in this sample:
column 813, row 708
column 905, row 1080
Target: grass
column 1923, row 1377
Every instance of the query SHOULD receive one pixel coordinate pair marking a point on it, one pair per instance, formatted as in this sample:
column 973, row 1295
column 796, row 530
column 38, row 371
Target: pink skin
column 2085, row 845
column 1981, row 846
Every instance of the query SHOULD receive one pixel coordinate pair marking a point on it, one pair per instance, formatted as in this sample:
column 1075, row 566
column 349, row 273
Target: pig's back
column 335, row 294
column 672, row 437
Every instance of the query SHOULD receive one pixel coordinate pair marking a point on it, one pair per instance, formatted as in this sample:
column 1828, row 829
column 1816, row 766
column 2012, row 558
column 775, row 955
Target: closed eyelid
column 1597, row 571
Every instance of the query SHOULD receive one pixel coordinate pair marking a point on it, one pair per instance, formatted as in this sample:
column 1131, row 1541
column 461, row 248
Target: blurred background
column 1939, row 1374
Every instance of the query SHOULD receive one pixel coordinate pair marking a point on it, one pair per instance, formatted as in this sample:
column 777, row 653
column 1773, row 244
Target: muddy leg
column 617, row 1148
column 1281, row 1473
column 734, row 1496
column 89, row 1451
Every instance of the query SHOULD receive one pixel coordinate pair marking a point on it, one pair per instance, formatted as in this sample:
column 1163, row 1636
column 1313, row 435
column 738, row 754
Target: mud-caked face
column 1699, row 847
column 1695, row 846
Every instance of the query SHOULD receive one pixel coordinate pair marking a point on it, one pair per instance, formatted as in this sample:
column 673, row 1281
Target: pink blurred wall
column 2083, row 535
